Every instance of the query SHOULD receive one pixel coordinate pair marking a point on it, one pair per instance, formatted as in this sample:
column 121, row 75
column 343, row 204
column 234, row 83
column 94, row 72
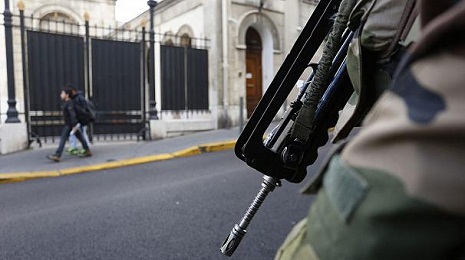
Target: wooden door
column 253, row 80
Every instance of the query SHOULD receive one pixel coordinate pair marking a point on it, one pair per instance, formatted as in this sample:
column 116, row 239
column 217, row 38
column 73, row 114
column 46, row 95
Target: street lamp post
column 152, row 101
column 12, row 113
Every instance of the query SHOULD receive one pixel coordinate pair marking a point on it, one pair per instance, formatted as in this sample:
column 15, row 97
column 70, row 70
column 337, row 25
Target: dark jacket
column 69, row 113
column 82, row 109
column 79, row 101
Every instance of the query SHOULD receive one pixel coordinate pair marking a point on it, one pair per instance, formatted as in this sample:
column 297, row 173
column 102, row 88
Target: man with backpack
column 71, row 126
column 85, row 116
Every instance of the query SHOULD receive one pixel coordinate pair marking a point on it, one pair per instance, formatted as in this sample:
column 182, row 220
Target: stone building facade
column 247, row 42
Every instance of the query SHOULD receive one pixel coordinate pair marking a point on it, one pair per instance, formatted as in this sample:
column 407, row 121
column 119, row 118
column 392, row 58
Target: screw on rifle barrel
column 238, row 232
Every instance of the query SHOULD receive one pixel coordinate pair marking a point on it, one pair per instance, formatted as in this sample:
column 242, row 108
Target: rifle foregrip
column 233, row 240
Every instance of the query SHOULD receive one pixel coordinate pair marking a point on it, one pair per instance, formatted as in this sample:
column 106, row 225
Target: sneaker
column 86, row 153
column 53, row 157
column 72, row 151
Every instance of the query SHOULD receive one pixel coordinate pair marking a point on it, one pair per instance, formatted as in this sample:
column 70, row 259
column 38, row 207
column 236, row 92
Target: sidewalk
column 33, row 163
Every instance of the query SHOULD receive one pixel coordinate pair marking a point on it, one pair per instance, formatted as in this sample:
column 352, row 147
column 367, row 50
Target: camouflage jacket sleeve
column 416, row 132
column 397, row 190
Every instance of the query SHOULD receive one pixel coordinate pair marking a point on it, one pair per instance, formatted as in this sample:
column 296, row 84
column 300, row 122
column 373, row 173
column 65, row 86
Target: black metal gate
column 184, row 78
column 197, row 79
column 116, row 88
column 103, row 66
column 109, row 66
column 54, row 60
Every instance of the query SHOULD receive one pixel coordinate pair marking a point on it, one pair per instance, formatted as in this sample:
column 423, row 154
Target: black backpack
column 85, row 112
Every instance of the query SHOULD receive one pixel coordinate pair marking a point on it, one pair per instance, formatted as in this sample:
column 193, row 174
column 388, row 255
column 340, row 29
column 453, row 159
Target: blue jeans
column 64, row 137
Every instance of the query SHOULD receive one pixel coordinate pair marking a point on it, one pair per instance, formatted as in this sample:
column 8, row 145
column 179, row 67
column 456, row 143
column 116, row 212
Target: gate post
column 25, row 75
column 87, row 69
column 12, row 113
column 87, row 54
column 152, row 103
column 144, row 86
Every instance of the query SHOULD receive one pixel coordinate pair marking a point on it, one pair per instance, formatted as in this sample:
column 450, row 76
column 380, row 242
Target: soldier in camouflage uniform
column 397, row 189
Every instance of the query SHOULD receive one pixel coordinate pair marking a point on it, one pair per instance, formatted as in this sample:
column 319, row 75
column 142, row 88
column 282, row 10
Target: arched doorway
column 253, row 69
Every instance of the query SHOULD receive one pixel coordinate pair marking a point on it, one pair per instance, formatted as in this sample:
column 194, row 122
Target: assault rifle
column 293, row 145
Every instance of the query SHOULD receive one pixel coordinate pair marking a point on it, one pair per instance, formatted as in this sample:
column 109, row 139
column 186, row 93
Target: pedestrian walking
column 78, row 100
column 71, row 127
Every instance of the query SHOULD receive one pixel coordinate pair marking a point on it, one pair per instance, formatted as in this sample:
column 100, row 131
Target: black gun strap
column 302, row 127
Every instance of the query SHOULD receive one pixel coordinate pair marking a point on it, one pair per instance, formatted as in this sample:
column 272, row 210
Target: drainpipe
column 224, row 23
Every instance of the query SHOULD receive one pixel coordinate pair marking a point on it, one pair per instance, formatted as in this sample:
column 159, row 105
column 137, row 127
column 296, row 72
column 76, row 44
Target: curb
column 191, row 151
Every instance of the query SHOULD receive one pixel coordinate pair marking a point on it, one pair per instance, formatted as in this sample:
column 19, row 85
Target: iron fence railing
column 62, row 26
column 49, row 121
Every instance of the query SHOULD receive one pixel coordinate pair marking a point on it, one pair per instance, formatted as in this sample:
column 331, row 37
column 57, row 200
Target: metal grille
column 184, row 80
column 109, row 65
column 116, row 88
column 54, row 60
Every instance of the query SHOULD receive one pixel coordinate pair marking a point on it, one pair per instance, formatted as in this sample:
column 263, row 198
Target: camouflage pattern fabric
column 383, row 21
column 371, row 58
column 397, row 190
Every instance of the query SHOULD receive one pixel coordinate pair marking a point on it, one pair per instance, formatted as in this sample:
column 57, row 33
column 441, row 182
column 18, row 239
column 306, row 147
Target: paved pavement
column 32, row 163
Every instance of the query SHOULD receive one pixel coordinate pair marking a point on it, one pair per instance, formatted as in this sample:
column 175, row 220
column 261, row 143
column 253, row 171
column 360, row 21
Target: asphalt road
column 178, row 209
